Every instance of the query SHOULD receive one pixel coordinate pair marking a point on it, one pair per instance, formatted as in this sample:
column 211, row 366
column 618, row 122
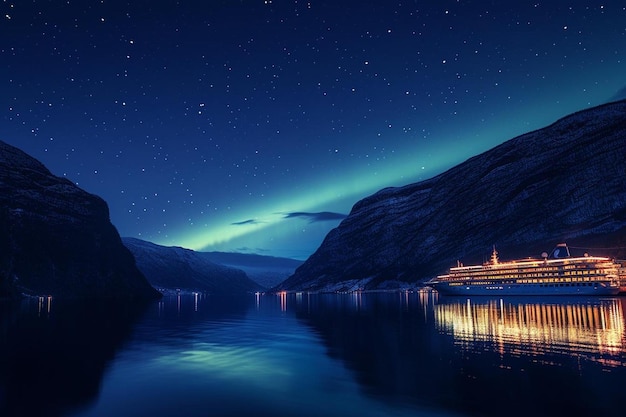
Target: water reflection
column 44, row 305
column 365, row 354
column 53, row 354
column 591, row 328
column 479, row 356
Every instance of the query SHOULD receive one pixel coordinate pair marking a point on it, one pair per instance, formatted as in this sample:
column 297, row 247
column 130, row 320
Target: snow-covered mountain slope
column 178, row 268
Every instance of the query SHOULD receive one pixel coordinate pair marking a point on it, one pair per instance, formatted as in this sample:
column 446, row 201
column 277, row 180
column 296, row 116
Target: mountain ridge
column 173, row 267
column 204, row 267
column 565, row 182
column 57, row 239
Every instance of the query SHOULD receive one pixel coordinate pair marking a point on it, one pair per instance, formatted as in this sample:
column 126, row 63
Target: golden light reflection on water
column 44, row 305
column 592, row 329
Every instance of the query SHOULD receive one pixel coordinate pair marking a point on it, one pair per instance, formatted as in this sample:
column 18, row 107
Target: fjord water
column 362, row 354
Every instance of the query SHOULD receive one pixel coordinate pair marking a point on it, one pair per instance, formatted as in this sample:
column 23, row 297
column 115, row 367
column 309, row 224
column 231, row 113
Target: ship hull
column 600, row 288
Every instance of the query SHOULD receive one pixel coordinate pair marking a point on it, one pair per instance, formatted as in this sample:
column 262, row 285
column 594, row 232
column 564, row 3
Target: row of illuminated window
column 576, row 284
column 515, row 274
column 561, row 284
column 551, row 280
column 517, row 280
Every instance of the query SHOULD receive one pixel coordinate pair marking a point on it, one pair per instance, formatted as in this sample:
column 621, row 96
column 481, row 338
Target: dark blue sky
column 254, row 125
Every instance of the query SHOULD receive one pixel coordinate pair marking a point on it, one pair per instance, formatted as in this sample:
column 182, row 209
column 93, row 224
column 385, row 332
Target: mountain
column 56, row 239
column 562, row 183
column 268, row 271
column 178, row 268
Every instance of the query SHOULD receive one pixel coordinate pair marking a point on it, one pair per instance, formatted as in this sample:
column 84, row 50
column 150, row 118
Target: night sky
column 254, row 126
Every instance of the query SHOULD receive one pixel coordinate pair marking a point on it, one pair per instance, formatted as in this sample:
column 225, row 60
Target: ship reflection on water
column 591, row 329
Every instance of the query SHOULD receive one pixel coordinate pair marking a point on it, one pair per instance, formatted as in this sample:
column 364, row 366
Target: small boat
column 556, row 274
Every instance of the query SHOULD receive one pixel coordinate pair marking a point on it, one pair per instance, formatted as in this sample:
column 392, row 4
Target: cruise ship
column 556, row 274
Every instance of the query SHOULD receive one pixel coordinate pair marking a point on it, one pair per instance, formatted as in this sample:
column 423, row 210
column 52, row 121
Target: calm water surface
column 369, row 354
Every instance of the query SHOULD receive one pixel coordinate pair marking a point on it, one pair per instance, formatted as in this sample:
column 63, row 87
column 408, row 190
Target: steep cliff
column 566, row 182
column 57, row 239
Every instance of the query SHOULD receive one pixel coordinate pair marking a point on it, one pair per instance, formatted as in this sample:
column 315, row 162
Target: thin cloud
column 322, row 216
column 249, row 221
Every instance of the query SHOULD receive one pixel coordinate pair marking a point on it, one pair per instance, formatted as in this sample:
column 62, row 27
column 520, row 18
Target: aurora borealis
column 254, row 126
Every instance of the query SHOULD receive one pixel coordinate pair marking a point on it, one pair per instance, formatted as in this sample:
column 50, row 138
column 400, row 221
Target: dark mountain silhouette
column 177, row 268
column 566, row 182
column 267, row 271
column 56, row 239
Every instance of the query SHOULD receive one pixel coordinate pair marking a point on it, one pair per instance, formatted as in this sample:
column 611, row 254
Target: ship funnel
column 561, row 251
